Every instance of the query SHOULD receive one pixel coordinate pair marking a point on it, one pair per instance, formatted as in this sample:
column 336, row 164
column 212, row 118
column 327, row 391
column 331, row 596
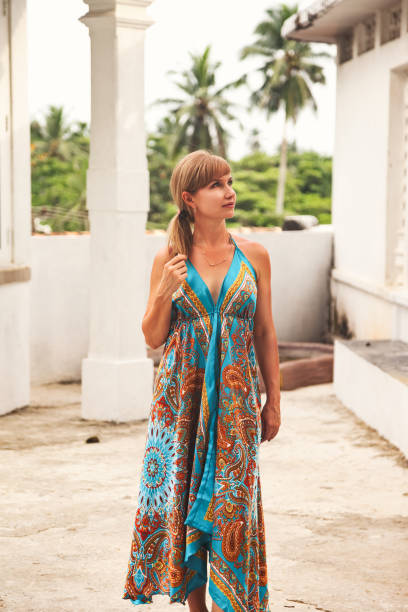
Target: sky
column 59, row 65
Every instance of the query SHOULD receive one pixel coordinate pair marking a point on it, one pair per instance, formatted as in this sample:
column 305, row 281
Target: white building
column 369, row 281
column 116, row 374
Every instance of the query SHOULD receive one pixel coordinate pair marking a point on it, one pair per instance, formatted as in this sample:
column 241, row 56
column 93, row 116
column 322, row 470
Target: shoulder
column 163, row 253
column 162, row 256
column 257, row 254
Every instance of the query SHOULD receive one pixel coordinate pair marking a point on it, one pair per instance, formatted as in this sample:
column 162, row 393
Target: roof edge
column 305, row 18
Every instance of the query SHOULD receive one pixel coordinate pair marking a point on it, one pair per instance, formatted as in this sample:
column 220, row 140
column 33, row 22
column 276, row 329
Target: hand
column 174, row 273
column 271, row 420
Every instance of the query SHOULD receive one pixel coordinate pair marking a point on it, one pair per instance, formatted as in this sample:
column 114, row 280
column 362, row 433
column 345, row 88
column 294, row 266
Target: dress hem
column 137, row 602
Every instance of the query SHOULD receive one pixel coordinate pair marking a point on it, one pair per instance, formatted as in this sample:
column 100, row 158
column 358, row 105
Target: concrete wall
column 300, row 263
column 375, row 395
column 361, row 154
column 14, row 354
column 59, row 330
column 368, row 187
column 370, row 311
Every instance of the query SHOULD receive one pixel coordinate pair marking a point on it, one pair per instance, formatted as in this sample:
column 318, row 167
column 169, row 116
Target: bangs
column 209, row 169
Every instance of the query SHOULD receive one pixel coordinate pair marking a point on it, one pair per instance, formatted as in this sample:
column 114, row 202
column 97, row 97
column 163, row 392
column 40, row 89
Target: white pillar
column 117, row 377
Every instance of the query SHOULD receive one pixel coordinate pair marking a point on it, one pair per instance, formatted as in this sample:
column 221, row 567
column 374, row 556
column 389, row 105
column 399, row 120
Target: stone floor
column 335, row 498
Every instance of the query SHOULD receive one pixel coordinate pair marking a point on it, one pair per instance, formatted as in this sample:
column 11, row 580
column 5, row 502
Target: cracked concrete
column 335, row 498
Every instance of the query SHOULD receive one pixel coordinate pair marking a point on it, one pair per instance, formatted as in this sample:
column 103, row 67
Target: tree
column 161, row 163
column 288, row 74
column 59, row 162
column 200, row 112
column 56, row 137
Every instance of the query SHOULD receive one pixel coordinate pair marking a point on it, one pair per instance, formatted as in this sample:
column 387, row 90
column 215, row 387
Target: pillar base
column 116, row 390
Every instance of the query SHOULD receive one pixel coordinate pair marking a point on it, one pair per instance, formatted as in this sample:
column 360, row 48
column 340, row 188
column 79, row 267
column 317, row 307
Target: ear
column 186, row 197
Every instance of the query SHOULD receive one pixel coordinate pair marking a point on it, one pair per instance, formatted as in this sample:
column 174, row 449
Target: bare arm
column 266, row 346
column 166, row 277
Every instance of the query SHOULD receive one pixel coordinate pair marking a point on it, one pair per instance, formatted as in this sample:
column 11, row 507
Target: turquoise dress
column 199, row 499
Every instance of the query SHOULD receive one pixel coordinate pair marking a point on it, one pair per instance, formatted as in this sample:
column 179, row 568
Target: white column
column 117, row 376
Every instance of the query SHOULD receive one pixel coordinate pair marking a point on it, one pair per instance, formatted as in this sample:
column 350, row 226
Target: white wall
column 361, row 153
column 14, row 354
column 59, row 307
column 300, row 263
column 367, row 192
column 372, row 393
column 15, row 206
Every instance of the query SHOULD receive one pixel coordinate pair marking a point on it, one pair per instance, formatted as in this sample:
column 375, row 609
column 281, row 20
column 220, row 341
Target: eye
column 217, row 183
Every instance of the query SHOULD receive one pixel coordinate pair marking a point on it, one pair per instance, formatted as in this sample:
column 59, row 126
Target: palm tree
column 55, row 137
column 199, row 113
column 59, row 162
column 288, row 73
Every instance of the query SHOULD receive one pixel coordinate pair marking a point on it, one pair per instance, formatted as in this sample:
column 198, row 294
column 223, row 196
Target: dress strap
column 233, row 240
column 242, row 255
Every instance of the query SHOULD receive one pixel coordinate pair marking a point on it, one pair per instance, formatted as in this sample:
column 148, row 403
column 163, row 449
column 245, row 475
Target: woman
column 210, row 304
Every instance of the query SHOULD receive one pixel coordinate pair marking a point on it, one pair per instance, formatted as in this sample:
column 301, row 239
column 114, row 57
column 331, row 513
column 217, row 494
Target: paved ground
column 335, row 499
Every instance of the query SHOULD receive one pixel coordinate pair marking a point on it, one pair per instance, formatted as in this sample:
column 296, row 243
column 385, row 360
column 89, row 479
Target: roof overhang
column 326, row 20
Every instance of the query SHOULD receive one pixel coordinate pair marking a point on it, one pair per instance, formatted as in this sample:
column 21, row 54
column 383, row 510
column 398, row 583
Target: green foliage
column 288, row 67
column 59, row 161
column 161, row 162
column 308, row 184
column 289, row 72
column 308, row 187
column 203, row 108
column 313, row 172
column 59, row 185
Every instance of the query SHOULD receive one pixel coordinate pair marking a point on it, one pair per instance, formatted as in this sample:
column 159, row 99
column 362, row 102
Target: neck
column 211, row 238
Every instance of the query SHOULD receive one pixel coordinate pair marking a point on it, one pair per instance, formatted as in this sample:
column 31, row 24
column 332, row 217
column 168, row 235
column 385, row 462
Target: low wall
column 59, row 307
column 300, row 278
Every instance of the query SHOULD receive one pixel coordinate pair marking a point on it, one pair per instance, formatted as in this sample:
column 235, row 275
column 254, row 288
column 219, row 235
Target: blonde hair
column 191, row 173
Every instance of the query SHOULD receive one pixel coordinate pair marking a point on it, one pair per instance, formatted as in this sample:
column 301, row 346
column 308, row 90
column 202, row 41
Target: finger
column 178, row 257
column 178, row 264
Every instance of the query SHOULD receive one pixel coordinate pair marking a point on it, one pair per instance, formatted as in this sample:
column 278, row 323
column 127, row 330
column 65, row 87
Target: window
column 391, row 23
column 345, row 47
column 366, row 34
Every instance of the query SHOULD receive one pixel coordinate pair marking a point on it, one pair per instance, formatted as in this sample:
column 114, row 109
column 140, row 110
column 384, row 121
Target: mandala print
column 158, row 466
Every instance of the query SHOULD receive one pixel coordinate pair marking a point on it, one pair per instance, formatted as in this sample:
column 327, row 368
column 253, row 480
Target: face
column 215, row 200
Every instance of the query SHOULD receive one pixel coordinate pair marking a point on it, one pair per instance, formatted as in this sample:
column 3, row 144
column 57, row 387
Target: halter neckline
column 215, row 304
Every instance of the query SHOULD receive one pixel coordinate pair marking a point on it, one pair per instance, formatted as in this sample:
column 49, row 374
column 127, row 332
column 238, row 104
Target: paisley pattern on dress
column 199, row 501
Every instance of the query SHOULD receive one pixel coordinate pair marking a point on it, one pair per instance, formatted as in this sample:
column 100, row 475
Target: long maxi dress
column 200, row 491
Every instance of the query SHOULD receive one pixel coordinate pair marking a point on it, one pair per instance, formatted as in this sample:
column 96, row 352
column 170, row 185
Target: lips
column 230, row 205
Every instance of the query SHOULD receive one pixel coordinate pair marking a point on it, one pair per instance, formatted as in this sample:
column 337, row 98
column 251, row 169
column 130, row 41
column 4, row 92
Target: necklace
column 218, row 262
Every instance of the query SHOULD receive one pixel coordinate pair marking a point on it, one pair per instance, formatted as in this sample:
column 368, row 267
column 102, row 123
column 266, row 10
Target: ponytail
column 179, row 231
